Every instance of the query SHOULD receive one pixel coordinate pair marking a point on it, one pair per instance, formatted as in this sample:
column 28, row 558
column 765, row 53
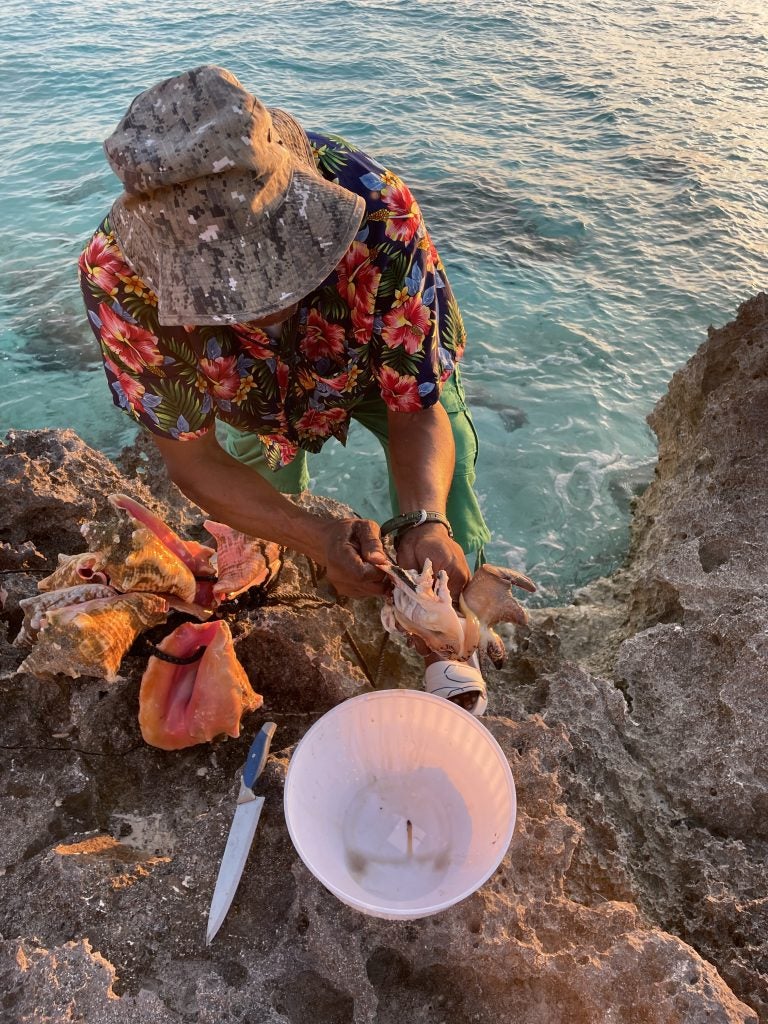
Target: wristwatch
column 399, row 524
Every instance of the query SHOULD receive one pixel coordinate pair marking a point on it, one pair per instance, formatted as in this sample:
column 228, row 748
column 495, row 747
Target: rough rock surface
column 669, row 773
column 634, row 891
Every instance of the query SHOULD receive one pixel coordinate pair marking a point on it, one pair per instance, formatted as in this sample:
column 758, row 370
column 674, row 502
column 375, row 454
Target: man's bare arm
column 232, row 493
column 422, row 455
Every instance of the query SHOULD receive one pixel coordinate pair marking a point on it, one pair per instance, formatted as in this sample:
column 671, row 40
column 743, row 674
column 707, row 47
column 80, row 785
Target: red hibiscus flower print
column 338, row 383
column 102, row 263
column 135, row 347
column 222, row 380
column 190, row 435
column 131, row 388
column 405, row 216
column 362, row 324
column 345, row 381
column 358, row 278
column 254, row 340
column 320, row 422
column 286, row 450
column 322, row 338
column 407, row 324
column 282, row 374
column 401, row 394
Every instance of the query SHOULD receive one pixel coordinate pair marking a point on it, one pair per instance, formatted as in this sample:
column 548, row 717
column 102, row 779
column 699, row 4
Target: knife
column 241, row 831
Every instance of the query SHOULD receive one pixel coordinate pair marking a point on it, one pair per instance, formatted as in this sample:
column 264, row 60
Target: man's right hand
column 352, row 549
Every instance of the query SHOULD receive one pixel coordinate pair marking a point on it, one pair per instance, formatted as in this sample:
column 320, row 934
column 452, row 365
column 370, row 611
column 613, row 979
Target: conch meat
column 241, row 561
column 196, row 689
column 77, row 637
column 421, row 606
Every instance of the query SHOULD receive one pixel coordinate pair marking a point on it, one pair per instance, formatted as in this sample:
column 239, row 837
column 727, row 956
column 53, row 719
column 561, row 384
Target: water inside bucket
column 404, row 832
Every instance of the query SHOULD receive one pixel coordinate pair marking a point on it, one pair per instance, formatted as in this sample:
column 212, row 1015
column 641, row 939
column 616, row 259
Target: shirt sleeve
column 151, row 371
column 418, row 330
column 392, row 278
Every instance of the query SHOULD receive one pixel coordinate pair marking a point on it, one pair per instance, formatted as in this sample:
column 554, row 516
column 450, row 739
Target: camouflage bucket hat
column 224, row 214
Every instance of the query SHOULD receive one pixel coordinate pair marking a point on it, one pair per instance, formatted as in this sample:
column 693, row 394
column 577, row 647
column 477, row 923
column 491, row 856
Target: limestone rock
column 672, row 789
column 69, row 982
column 51, row 484
column 700, row 543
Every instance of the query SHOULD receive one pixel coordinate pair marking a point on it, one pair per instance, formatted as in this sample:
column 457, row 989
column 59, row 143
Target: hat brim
column 254, row 274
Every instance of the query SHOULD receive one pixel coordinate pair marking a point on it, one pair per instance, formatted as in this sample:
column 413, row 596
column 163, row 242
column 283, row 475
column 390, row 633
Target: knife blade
column 241, row 831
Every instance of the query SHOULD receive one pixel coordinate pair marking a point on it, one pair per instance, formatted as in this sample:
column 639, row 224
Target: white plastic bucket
column 401, row 803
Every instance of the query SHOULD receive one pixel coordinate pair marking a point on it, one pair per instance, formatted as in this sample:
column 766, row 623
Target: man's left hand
column 431, row 541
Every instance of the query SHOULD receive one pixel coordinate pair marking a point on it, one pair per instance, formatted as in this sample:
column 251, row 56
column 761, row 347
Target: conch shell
column 241, row 561
column 421, row 606
column 134, row 557
column 197, row 557
column 89, row 638
column 191, row 700
column 36, row 608
column 489, row 599
column 75, row 570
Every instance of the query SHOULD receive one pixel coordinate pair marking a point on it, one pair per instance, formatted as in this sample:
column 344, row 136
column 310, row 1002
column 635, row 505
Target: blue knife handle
column 257, row 755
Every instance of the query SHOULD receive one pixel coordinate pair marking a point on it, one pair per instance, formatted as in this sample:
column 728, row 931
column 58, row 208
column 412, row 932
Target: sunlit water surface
column 592, row 173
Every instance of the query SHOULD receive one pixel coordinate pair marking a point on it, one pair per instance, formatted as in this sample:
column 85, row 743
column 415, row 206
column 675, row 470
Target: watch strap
column 408, row 520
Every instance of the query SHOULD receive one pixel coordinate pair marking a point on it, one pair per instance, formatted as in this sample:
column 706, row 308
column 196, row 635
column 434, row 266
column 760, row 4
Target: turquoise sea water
column 593, row 174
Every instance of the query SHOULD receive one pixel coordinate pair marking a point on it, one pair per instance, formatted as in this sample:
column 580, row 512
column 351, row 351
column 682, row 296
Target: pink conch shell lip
column 197, row 650
column 242, row 561
column 194, row 688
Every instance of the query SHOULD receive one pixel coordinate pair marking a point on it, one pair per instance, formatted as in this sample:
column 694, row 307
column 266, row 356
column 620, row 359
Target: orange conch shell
column 197, row 557
column 134, row 559
column 90, row 638
column 241, row 561
column 181, row 705
column 75, row 570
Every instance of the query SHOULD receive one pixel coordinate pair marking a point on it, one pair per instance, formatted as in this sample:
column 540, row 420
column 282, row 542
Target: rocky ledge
column 634, row 721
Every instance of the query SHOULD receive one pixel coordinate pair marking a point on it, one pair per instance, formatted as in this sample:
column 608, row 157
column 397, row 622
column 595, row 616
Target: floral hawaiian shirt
column 384, row 322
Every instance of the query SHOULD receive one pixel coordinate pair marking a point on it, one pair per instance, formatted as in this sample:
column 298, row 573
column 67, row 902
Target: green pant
column 463, row 511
